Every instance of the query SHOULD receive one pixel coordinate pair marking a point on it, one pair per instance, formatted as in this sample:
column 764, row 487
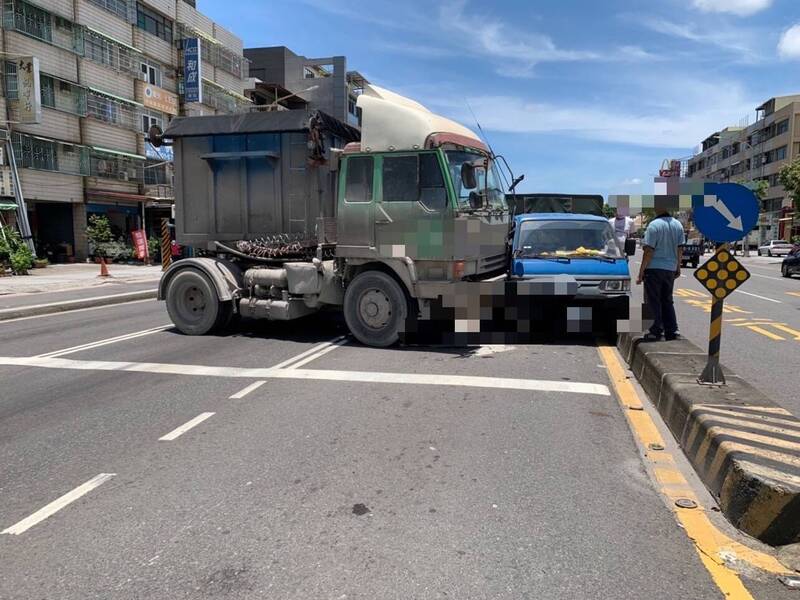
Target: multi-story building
column 322, row 83
column 109, row 70
column 757, row 152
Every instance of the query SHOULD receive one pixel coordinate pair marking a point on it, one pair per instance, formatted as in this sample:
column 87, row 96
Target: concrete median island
column 744, row 447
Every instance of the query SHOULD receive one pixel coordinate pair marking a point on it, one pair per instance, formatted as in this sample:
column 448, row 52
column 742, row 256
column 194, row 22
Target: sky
column 582, row 96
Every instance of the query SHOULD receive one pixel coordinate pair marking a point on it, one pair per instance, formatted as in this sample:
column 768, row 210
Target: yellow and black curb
column 744, row 447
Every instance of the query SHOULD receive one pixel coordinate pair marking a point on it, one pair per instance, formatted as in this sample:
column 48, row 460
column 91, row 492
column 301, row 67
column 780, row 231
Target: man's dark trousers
column 658, row 284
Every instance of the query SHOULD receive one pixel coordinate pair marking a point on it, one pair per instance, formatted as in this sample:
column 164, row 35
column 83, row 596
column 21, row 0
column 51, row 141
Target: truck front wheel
column 375, row 309
column 193, row 305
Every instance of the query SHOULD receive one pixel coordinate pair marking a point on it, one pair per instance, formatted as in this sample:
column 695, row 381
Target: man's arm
column 679, row 250
column 648, row 256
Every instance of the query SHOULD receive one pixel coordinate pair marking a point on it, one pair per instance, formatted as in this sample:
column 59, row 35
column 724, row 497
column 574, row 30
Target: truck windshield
column 568, row 238
column 486, row 179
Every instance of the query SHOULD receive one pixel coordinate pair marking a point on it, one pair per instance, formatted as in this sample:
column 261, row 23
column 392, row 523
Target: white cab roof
column 390, row 122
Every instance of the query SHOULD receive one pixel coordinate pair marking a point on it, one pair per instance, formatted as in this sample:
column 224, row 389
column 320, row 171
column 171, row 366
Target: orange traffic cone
column 103, row 268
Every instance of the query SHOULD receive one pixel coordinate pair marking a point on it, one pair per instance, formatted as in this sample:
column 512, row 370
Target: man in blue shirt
column 661, row 266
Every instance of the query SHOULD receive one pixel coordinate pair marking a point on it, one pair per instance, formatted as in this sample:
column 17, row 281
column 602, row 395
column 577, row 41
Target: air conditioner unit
column 102, row 166
column 122, row 176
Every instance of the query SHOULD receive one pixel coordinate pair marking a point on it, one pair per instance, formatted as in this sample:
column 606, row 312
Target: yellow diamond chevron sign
column 721, row 274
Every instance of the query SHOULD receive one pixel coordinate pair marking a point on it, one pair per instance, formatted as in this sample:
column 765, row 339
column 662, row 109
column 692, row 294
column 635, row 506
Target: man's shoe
column 674, row 336
column 651, row 337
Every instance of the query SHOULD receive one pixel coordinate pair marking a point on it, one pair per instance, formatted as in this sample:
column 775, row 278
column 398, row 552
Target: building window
column 10, row 79
column 110, row 53
column 33, row 21
column 103, row 109
column 153, row 23
column 47, row 86
column 151, row 73
column 782, row 127
column 151, row 119
column 117, row 7
column 780, row 153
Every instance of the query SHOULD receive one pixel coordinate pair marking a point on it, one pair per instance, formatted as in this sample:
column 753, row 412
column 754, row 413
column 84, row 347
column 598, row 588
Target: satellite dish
column 155, row 136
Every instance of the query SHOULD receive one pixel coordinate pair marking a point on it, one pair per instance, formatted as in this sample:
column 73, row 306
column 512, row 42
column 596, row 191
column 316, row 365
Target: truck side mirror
column 468, row 178
column 630, row 247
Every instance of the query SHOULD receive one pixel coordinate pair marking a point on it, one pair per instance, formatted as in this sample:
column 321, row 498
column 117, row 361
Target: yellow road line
column 710, row 543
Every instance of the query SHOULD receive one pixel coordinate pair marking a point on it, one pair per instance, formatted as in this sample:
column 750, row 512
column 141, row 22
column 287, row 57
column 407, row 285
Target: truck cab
column 579, row 248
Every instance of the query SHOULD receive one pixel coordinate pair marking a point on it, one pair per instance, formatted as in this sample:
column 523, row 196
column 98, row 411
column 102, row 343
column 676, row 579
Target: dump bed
column 255, row 175
column 587, row 204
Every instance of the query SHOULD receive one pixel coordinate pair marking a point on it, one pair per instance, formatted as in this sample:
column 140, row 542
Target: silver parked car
column 775, row 248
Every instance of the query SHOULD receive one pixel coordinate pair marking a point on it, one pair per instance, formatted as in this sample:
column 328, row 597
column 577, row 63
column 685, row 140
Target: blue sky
column 583, row 96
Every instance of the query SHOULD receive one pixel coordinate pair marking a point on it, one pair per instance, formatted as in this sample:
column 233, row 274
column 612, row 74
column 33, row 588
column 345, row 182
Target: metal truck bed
column 254, row 175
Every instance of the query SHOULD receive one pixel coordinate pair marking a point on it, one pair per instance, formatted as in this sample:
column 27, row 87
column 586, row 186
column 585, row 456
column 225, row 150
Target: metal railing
column 213, row 52
column 38, row 23
column 119, row 167
column 124, row 9
column 110, row 110
column 33, row 152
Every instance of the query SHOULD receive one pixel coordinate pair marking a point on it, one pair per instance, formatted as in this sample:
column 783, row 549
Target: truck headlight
column 615, row 285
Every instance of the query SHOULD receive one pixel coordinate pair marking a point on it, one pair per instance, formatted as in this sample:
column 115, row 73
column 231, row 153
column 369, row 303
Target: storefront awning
column 8, row 206
column 118, row 153
column 96, row 195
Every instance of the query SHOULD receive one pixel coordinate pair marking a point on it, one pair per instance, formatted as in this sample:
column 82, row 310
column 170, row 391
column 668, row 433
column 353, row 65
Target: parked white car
column 775, row 248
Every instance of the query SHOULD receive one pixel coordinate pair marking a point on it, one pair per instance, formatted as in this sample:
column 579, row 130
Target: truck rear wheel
column 375, row 309
column 193, row 305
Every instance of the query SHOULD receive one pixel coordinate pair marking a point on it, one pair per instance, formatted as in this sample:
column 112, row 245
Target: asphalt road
column 761, row 326
column 166, row 470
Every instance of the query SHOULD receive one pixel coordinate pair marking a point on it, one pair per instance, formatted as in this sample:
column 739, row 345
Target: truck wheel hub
column 376, row 310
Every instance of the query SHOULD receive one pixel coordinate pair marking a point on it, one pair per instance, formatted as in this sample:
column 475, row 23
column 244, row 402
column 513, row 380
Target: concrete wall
column 104, row 21
column 98, row 133
column 52, row 59
column 53, row 187
column 106, row 79
column 55, row 124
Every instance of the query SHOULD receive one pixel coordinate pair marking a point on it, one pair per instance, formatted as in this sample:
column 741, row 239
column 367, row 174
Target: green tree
column 789, row 178
column 609, row 211
column 758, row 186
column 99, row 234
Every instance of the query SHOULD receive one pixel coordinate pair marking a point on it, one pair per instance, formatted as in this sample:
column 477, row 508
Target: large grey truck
column 293, row 212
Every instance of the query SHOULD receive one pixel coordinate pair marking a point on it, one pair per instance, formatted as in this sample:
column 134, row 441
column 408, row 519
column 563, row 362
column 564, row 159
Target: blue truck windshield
column 566, row 238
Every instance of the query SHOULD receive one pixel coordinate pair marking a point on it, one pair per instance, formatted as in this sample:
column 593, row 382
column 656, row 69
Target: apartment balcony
column 45, row 154
column 45, row 26
column 109, row 164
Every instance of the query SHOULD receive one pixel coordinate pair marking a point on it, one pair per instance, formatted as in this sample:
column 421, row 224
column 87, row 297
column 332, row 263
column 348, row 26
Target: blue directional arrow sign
column 725, row 212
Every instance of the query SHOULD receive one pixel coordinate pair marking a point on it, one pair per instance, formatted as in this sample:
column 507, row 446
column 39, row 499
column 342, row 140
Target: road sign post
column 725, row 213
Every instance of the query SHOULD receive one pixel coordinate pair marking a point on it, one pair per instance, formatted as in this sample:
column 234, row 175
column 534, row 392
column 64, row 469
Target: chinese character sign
column 28, row 86
column 192, row 70
column 140, row 244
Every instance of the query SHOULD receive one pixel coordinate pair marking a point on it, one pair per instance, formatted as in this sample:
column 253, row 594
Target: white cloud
column 632, row 181
column 500, row 41
column 668, row 124
column 741, row 8
column 738, row 40
column 789, row 45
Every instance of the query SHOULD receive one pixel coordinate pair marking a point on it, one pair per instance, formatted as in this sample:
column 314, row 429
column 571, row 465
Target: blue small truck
column 575, row 248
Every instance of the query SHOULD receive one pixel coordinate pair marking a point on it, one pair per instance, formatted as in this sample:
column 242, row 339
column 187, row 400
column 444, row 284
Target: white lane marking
column 761, row 297
column 325, row 375
column 78, row 301
column 105, row 342
column 768, row 277
column 56, row 505
column 242, row 393
column 313, row 350
column 66, row 313
column 316, row 355
column 176, row 433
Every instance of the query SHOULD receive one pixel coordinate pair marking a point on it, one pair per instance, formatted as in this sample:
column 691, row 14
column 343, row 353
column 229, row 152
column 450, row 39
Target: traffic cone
column 103, row 268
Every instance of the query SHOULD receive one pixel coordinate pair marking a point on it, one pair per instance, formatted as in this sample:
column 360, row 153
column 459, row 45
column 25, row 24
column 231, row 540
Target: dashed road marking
column 310, row 351
column 56, row 505
column 250, row 388
column 176, row 433
column 759, row 297
column 105, row 342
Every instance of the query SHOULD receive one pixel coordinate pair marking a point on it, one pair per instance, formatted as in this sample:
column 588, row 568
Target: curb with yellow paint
column 744, row 447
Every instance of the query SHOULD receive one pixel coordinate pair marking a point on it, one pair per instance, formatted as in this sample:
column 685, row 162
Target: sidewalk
column 79, row 276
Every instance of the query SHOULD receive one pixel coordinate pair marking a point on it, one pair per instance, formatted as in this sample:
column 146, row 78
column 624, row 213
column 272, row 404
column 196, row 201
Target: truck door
column 409, row 219
column 355, row 220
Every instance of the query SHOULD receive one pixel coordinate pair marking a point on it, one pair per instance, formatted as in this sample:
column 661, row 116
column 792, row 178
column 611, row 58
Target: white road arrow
column 719, row 205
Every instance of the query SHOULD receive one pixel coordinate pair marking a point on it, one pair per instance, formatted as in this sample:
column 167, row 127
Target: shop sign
column 192, row 70
column 29, row 90
column 157, row 98
column 140, row 244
